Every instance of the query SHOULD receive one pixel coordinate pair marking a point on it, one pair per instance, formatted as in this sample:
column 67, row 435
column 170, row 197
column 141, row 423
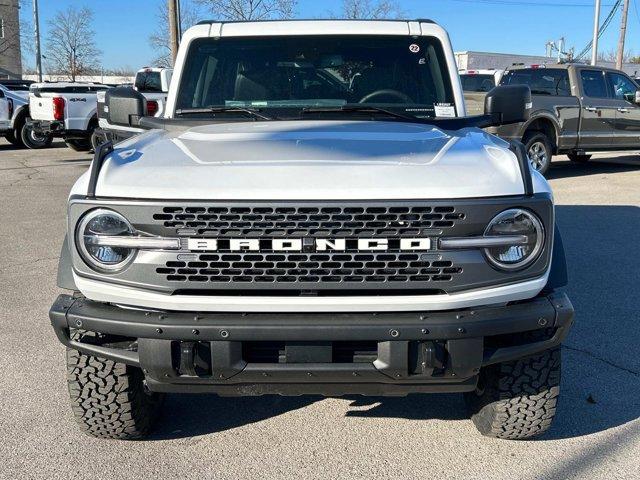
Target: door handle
column 623, row 110
column 591, row 109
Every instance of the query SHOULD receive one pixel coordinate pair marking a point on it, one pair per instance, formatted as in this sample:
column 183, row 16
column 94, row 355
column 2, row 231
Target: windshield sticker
column 414, row 48
column 445, row 110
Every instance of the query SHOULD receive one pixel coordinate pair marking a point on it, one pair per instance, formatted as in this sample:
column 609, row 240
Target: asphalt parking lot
column 596, row 433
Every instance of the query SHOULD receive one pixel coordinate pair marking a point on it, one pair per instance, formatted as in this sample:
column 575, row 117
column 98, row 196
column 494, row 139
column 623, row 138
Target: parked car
column 63, row 109
column 313, row 214
column 577, row 109
column 16, row 109
column 475, row 85
column 150, row 83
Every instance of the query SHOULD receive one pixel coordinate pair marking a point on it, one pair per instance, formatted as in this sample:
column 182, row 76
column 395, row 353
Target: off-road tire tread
column 520, row 397
column 108, row 398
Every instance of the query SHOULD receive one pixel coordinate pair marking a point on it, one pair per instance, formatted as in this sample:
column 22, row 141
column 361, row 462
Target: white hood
column 311, row 160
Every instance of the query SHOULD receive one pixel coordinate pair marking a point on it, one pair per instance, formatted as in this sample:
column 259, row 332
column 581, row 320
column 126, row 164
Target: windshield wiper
column 360, row 109
column 249, row 111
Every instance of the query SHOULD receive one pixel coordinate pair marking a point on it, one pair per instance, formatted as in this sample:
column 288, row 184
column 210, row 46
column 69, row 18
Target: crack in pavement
column 28, row 177
column 604, row 360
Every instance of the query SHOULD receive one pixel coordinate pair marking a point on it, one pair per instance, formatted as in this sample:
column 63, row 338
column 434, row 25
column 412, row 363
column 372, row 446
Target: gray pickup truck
column 576, row 109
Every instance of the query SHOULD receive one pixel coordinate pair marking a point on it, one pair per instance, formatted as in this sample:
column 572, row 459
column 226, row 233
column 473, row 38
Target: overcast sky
column 511, row 26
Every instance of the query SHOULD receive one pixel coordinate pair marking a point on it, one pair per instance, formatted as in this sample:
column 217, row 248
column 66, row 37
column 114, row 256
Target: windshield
column 477, row 83
column 407, row 73
column 148, row 82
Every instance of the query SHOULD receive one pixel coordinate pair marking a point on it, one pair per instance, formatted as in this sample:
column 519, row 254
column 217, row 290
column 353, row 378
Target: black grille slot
column 279, row 221
column 341, row 352
column 311, row 268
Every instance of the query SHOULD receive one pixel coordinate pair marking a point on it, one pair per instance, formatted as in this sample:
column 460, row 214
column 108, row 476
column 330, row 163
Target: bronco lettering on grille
column 314, row 244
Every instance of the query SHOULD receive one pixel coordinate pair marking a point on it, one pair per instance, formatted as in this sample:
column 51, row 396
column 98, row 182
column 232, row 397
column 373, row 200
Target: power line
column 522, row 3
column 603, row 27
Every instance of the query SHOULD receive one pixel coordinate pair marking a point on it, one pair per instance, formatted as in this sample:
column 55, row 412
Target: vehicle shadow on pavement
column 597, row 166
column 601, row 368
column 192, row 415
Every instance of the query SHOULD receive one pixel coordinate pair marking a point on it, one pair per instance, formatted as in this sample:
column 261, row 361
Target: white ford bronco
column 313, row 214
column 63, row 109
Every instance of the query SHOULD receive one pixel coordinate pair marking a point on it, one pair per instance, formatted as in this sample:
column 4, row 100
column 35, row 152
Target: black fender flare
column 541, row 115
column 558, row 276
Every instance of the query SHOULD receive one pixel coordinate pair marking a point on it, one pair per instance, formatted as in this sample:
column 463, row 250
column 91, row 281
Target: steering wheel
column 386, row 92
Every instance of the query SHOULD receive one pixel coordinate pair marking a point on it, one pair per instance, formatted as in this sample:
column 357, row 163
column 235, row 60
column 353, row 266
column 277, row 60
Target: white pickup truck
column 314, row 213
column 63, row 109
column 14, row 109
column 153, row 85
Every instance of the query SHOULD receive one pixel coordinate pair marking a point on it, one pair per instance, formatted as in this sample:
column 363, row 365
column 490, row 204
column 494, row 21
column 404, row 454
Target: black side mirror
column 508, row 104
column 124, row 106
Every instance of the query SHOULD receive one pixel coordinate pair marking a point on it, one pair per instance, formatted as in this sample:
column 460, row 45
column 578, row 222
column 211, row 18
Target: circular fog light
column 103, row 222
column 518, row 222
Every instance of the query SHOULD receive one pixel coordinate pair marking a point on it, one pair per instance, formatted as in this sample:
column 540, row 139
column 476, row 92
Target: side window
column 622, row 87
column 553, row 82
column 542, row 81
column 593, row 84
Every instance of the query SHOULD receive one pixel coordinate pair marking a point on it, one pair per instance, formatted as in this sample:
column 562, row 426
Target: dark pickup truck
column 576, row 109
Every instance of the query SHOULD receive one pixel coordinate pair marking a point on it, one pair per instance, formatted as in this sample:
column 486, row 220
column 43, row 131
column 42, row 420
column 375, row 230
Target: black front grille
column 311, row 268
column 301, row 221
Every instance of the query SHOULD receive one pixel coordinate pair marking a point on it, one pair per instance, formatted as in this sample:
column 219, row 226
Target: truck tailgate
column 41, row 108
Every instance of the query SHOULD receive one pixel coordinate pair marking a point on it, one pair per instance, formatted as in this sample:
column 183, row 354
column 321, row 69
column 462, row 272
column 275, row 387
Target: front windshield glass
column 407, row 73
column 477, row 83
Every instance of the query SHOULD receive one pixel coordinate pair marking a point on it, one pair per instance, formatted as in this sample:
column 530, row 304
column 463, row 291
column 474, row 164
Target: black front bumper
column 411, row 351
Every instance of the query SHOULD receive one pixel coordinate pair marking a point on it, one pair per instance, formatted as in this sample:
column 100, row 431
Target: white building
column 471, row 60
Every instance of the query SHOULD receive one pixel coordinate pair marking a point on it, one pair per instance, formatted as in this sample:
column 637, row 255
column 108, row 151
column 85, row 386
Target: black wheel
column 517, row 400
column 11, row 138
column 79, row 144
column 539, row 149
column 96, row 140
column 574, row 157
column 109, row 399
column 34, row 140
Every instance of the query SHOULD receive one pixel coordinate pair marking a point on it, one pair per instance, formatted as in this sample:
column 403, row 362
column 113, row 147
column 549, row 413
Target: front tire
column 517, row 400
column 109, row 399
column 539, row 150
column 33, row 140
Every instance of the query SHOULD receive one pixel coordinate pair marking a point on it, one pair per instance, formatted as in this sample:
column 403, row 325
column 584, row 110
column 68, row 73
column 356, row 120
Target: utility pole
column 174, row 39
column 623, row 33
column 596, row 28
column 36, row 23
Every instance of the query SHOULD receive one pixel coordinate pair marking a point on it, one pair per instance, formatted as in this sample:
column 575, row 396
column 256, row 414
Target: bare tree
column 71, row 48
column 370, row 9
column 250, row 9
column 159, row 40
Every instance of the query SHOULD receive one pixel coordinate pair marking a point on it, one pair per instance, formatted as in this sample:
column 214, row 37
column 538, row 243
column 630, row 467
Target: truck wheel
column 517, row 400
column 574, row 157
column 33, row 140
column 79, row 144
column 109, row 399
column 539, row 149
column 97, row 139
column 11, row 138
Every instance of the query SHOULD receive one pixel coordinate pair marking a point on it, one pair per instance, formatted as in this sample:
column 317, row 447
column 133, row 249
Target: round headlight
column 515, row 222
column 98, row 223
